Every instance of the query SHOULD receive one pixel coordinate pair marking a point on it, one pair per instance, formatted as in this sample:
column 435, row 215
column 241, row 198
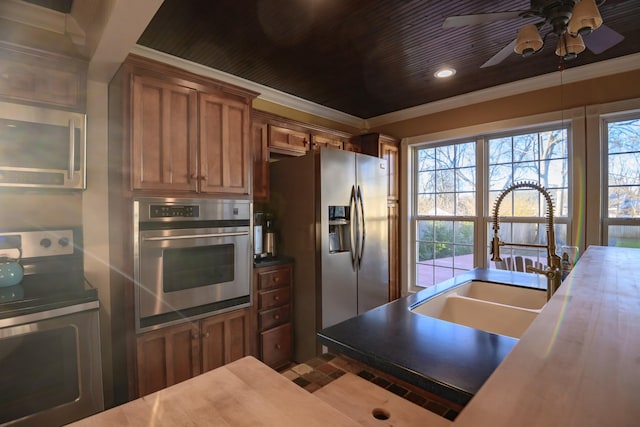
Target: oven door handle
column 195, row 236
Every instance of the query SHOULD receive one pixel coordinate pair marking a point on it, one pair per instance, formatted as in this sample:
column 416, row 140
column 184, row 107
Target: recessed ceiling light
column 444, row 73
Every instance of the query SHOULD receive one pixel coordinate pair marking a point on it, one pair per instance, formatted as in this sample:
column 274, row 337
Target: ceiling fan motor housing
column 556, row 12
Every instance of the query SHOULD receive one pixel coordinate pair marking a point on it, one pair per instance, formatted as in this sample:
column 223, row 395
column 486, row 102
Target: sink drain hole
column 380, row 414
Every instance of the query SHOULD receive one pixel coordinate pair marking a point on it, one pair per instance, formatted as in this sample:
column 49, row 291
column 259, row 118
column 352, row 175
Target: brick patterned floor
column 320, row 371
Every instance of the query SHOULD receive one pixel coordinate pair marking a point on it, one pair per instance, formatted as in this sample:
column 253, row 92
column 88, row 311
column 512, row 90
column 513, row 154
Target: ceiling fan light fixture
column 586, row 18
column 528, row 41
column 569, row 47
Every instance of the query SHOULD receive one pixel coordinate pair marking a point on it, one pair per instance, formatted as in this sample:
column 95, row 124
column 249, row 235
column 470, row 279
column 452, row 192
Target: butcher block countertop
column 243, row 393
column 578, row 364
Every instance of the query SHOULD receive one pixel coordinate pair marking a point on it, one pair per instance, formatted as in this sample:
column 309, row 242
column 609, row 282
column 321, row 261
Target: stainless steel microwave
column 42, row 147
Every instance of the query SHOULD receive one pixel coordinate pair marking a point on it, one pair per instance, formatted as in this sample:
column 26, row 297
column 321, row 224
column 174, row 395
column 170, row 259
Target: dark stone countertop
column 444, row 358
column 271, row 261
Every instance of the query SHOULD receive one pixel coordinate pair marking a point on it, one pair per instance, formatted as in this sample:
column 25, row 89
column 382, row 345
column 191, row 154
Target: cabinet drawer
column 276, row 316
column 273, row 298
column 276, row 345
column 273, row 279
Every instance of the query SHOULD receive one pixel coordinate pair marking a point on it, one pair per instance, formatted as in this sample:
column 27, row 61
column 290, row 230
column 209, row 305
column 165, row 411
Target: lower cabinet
column 169, row 355
column 273, row 307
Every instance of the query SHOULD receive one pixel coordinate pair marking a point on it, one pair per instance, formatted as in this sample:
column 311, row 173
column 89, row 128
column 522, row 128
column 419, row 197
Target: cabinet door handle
column 194, row 335
column 278, row 346
column 206, row 335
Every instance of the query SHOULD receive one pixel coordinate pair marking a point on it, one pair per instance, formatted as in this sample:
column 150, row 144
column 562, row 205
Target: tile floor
column 320, row 371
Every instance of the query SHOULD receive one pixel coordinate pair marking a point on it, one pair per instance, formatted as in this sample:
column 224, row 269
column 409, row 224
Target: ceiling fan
column 568, row 20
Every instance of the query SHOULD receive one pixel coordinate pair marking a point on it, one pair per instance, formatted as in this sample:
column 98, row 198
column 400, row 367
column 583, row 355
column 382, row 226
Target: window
column 621, row 213
column 454, row 190
column 539, row 156
column 445, row 208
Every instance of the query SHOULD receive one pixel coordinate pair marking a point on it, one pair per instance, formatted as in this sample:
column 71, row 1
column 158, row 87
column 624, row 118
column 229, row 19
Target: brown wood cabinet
column 273, row 314
column 35, row 76
column 187, row 133
column 164, row 135
column 260, row 152
column 288, row 141
column 224, row 145
column 169, row 355
column 318, row 141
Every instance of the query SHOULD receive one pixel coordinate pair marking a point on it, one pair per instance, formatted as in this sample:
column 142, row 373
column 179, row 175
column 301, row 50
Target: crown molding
column 571, row 75
column 266, row 93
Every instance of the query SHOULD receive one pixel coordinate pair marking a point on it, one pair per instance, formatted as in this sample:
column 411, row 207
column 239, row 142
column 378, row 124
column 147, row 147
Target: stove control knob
column 45, row 243
column 64, row 242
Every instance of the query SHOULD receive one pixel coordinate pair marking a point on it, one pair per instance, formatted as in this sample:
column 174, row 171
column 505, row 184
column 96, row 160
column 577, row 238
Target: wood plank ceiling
column 363, row 57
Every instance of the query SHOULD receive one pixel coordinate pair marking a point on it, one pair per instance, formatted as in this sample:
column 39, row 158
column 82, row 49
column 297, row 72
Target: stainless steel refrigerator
column 331, row 207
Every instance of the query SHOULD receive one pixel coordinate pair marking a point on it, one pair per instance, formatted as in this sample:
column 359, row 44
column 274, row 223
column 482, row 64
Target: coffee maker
column 264, row 236
column 270, row 238
column 258, row 226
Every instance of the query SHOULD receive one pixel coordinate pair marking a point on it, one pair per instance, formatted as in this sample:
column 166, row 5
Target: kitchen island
column 578, row 364
column 446, row 359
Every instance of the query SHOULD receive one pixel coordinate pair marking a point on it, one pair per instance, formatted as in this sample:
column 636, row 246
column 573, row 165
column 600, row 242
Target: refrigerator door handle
column 361, row 225
column 353, row 218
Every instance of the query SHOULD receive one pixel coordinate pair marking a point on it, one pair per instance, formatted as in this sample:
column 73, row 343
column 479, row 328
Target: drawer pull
column 275, row 279
column 276, row 317
column 278, row 346
column 276, row 297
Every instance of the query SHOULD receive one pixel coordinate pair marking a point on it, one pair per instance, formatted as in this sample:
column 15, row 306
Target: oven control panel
column 172, row 211
column 40, row 243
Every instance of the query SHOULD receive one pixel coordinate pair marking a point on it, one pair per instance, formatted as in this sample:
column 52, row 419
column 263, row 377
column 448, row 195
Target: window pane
column 426, row 204
column 466, row 155
column 466, row 179
column 623, row 183
column 466, row 204
column 624, row 169
column 445, row 180
column 500, row 151
column 624, row 236
column 500, row 177
column 445, row 204
column 425, row 231
column 525, row 147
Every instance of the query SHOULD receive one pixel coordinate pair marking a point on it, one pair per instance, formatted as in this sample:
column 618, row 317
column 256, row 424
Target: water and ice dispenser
column 339, row 229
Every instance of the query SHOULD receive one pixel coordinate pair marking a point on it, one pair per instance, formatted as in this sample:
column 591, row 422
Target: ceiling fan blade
column 500, row 56
column 480, row 18
column 602, row 39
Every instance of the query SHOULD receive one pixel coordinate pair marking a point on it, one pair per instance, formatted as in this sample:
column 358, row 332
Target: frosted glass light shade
column 585, row 18
column 569, row 47
column 528, row 41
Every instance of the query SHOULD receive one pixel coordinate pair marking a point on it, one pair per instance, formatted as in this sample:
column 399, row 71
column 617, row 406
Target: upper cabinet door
column 164, row 139
column 225, row 145
column 325, row 141
column 288, row 141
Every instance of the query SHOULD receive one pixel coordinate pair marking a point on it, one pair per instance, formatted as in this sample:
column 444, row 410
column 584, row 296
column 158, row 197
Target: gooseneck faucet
column 553, row 272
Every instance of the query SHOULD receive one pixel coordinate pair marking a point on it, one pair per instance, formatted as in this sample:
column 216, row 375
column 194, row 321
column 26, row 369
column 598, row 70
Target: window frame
column 596, row 204
column 573, row 120
column 605, row 219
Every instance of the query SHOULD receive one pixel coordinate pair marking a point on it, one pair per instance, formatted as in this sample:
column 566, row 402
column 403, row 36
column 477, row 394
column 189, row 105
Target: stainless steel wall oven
column 192, row 257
